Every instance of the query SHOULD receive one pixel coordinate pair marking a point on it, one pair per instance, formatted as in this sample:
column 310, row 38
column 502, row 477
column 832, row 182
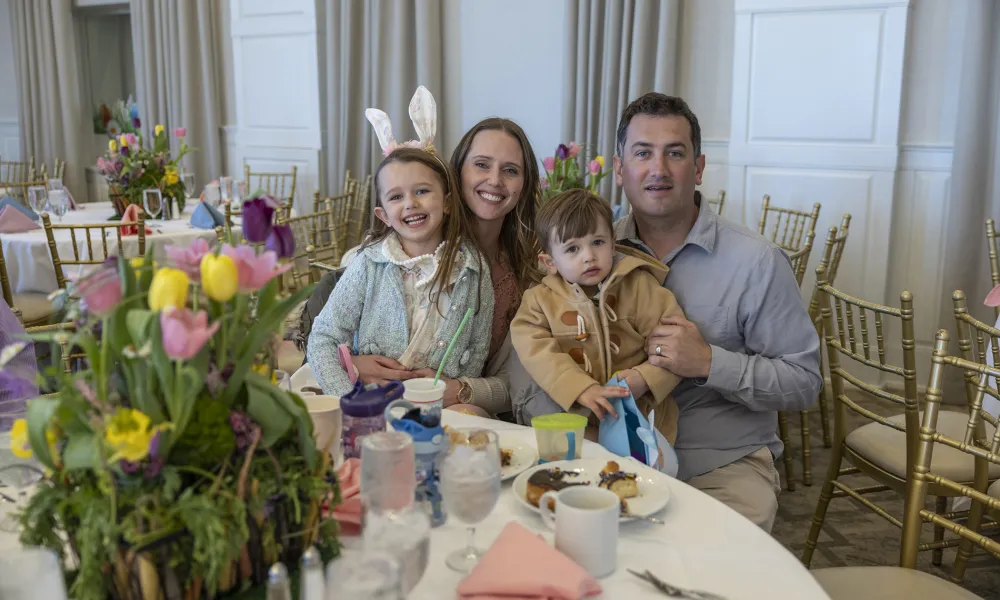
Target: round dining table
column 702, row 545
column 29, row 264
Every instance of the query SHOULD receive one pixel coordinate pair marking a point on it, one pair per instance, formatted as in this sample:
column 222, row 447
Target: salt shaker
column 277, row 583
column 363, row 413
column 312, row 584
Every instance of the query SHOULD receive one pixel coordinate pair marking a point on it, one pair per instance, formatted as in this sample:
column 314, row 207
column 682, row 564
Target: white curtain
column 176, row 45
column 373, row 53
column 975, row 177
column 617, row 50
column 52, row 116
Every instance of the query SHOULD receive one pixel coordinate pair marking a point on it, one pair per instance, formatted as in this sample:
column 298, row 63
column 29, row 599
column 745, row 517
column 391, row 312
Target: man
column 747, row 347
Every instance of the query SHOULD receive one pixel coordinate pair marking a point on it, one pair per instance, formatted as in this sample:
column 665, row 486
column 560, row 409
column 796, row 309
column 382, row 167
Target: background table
column 29, row 264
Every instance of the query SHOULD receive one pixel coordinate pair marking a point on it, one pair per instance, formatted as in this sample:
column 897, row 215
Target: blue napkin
column 632, row 435
column 11, row 201
column 206, row 216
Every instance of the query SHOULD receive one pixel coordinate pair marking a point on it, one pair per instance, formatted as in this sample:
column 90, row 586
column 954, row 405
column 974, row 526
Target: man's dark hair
column 658, row 105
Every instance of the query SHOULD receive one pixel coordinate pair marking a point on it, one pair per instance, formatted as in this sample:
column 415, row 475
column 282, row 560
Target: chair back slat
column 314, row 242
column 800, row 258
column 788, row 226
column 978, row 342
column 719, row 203
column 279, row 185
column 103, row 230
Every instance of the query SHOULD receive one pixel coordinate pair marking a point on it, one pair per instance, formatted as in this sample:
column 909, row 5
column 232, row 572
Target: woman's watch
column 464, row 392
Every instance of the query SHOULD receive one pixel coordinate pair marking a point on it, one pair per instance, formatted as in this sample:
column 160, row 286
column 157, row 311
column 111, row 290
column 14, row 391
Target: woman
column 498, row 179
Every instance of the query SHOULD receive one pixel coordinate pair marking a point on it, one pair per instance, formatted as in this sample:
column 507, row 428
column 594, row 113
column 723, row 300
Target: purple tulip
column 562, row 152
column 258, row 215
column 124, row 150
column 136, row 123
column 281, row 241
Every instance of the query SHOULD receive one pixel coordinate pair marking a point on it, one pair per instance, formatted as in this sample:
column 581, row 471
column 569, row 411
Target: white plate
column 523, row 455
column 654, row 487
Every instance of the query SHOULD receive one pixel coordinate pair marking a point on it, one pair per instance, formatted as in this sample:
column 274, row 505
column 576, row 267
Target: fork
column 673, row 591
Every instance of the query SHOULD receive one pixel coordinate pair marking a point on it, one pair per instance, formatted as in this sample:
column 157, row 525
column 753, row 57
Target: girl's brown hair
column 456, row 224
column 517, row 236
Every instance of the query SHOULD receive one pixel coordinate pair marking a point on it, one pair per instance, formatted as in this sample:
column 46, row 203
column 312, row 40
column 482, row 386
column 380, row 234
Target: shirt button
column 440, row 343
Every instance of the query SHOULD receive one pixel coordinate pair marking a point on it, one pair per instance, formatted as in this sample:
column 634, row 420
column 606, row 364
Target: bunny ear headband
column 423, row 113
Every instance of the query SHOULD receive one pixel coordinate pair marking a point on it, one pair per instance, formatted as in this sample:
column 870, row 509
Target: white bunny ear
column 423, row 113
column 383, row 128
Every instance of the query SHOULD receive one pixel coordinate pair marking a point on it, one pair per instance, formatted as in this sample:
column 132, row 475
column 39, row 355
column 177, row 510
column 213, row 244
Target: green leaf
column 138, row 325
column 161, row 362
column 141, row 398
column 268, row 296
column 81, row 452
column 40, row 411
column 263, row 408
column 295, row 407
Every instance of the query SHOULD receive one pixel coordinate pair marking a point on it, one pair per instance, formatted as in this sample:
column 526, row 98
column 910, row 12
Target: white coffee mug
column 423, row 392
column 327, row 421
column 586, row 526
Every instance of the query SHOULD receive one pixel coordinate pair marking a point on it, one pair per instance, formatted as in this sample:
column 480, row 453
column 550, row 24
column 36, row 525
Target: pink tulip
column 101, row 290
column 549, row 163
column 185, row 332
column 189, row 259
column 180, row 132
column 254, row 271
column 595, row 167
column 574, row 149
column 132, row 139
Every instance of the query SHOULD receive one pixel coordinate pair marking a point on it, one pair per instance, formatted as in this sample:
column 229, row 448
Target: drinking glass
column 56, row 184
column 226, row 183
column 16, row 476
column 405, row 534
column 238, row 193
column 212, row 195
column 365, row 576
column 470, row 487
column 38, row 198
column 153, row 201
column 58, row 203
column 188, row 179
column 387, row 458
column 31, row 573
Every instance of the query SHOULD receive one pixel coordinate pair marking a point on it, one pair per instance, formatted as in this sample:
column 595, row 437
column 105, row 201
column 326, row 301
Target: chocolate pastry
column 621, row 483
column 545, row 480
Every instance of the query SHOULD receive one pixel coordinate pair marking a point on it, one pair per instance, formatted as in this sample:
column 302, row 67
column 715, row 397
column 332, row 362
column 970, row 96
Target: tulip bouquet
column 564, row 171
column 176, row 468
column 130, row 168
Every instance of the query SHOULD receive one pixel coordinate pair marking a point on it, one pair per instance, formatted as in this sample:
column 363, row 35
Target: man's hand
column 596, row 399
column 374, row 368
column 683, row 351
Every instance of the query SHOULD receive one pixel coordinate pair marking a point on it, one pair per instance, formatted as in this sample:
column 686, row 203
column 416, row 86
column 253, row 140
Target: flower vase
column 118, row 200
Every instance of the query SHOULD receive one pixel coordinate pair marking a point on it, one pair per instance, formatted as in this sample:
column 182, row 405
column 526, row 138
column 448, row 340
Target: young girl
column 408, row 288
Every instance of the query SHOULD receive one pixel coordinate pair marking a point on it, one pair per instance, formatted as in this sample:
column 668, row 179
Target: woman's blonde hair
column 517, row 236
column 456, row 225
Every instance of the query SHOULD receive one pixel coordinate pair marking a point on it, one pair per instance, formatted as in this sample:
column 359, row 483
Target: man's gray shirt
column 740, row 291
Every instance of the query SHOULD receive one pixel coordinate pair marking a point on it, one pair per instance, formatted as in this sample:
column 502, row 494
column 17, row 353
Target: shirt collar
column 703, row 232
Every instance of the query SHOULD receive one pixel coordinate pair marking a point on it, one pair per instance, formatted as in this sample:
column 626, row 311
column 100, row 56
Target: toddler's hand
column 596, row 399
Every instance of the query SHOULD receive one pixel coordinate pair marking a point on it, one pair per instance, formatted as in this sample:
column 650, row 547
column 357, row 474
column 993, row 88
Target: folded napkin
column 132, row 214
column 348, row 512
column 11, row 201
column 14, row 221
column 205, row 216
column 521, row 564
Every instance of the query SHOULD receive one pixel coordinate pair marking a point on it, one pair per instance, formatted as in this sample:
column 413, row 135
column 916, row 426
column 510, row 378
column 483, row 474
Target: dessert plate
column 654, row 487
column 522, row 452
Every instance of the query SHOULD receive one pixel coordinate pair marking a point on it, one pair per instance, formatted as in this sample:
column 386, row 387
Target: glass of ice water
column 470, row 486
column 365, row 576
column 404, row 534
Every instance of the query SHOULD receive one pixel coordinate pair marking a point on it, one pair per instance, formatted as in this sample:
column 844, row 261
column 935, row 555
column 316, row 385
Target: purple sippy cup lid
column 370, row 401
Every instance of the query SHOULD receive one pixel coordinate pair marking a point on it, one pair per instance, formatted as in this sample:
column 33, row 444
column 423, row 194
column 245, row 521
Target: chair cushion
column 886, row 447
column 33, row 307
column 887, row 583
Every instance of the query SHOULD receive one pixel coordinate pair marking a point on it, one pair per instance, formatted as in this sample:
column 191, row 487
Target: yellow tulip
column 112, row 145
column 169, row 289
column 219, row 277
column 158, row 130
column 600, row 160
column 123, row 140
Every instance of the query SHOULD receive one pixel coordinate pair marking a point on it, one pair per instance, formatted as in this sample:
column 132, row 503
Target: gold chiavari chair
column 836, row 241
column 103, row 231
column 360, row 212
column 789, row 226
column 58, row 170
column 337, row 237
column 16, row 171
column 719, row 203
column 279, row 185
column 930, row 477
column 314, row 242
column 991, row 245
column 32, row 309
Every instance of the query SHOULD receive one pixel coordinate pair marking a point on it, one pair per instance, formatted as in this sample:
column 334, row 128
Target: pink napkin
column 15, row 221
column 348, row 512
column 132, row 214
column 521, row 564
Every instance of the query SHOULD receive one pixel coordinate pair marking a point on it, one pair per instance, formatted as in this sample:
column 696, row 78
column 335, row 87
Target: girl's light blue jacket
column 368, row 301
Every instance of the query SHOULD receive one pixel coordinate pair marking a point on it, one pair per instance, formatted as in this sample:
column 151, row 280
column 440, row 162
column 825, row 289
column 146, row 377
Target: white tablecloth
column 704, row 544
column 29, row 264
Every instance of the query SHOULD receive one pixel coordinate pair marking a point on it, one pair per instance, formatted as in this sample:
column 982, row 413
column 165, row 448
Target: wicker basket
column 118, row 200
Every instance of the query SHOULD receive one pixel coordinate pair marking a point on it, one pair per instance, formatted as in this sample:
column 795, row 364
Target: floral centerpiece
column 175, row 466
column 567, row 170
column 131, row 168
column 121, row 117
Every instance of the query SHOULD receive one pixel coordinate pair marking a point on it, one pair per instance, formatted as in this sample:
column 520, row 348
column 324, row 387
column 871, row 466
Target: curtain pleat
column 616, row 51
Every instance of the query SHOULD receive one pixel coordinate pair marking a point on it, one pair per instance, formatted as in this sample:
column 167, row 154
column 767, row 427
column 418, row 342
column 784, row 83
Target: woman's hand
column 451, row 386
column 374, row 368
